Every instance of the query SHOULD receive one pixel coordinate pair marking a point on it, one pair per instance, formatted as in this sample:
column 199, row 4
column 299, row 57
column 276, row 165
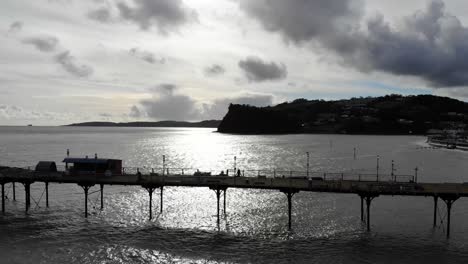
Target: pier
column 367, row 187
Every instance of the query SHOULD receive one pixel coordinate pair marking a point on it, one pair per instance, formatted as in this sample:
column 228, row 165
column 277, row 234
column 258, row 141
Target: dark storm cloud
column 15, row 27
column 167, row 105
column 101, row 14
column 429, row 44
column 146, row 56
column 166, row 15
column 214, row 70
column 42, row 43
column 69, row 64
column 299, row 20
column 256, row 70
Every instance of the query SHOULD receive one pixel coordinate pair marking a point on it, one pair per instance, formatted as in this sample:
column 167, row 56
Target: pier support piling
column 86, row 188
column 218, row 194
column 224, row 200
column 102, row 195
column 362, row 209
column 150, row 192
column 14, row 191
column 434, row 223
column 368, row 198
column 161, row 200
column 27, row 195
column 3, row 197
column 47, row 194
column 218, row 191
column 289, row 194
column 449, row 200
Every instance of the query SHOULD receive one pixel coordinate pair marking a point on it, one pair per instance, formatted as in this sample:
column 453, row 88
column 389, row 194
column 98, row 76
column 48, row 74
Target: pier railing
column 255, row 173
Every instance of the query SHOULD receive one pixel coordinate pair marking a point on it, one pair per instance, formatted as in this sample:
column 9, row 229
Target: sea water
column 326, row 226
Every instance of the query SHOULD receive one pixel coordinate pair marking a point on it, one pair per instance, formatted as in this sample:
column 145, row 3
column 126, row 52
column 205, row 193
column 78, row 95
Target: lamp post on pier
column 235, row 164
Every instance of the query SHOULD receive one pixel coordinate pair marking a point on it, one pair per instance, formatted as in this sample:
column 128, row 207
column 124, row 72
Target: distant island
column 205, row 123
column 391, row 114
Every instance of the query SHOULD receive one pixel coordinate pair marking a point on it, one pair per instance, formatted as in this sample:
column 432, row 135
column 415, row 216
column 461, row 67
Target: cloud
column 256, row 70
column 166, row 15
column 219, row 108
column 17, row 113
column 299, row 21
column 101, row 14
column 146, row 56
column 135, row 112
column 167, row 105
column 69, row 64
column 42, row 43
column 16, row 27
column 430, row 44
column 214, row 70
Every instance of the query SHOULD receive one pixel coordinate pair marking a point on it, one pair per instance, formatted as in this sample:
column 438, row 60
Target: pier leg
column 86, row 189
column 14, row 192
column 47, row 194
column 102, row 195
column 289, row 194
column 434, row 224
column 449, row 201
column 368, row 198
column 368, row 203
column 224, row 194
column 27, row 195
column 289, row 209
column 218, row 194
column 449, row 209
column 218, row 191
column 161, row 201
column 150, row 192
column 3, row 197
column 362, row 209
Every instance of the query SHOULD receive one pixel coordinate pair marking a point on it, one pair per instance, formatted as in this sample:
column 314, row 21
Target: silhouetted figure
column 222, row 173
column 238, row 173
column 138, row 175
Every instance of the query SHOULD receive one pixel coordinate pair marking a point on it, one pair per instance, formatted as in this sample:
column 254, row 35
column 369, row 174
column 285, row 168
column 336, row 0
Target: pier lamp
column 235, row 164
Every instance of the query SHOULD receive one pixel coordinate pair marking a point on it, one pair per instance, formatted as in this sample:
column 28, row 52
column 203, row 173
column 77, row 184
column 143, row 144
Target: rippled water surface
column 326, row 227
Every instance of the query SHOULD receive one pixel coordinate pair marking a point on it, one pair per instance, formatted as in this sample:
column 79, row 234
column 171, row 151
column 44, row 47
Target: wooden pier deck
column 366, row 189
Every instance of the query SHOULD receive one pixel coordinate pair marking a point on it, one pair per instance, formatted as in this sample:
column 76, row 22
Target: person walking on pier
column 138, row 175
column 238, row 173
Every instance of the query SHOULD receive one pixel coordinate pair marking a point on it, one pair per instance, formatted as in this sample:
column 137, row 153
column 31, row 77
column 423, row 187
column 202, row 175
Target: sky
column 67, row 61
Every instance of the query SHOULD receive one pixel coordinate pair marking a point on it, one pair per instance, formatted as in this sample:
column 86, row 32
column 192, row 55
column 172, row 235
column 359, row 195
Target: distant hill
column 205, row 123
column 391, row 114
